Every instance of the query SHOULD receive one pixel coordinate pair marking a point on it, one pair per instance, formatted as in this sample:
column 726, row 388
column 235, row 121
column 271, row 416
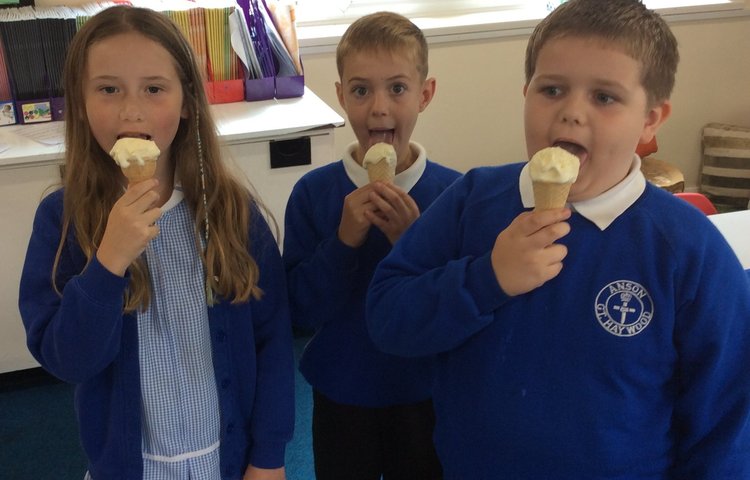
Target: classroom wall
column 476, row 117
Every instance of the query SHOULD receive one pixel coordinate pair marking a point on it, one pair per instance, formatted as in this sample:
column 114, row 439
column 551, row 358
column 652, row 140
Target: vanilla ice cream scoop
column 136, row 157
column 553, row 170
column 554, row 165
column 380, row 162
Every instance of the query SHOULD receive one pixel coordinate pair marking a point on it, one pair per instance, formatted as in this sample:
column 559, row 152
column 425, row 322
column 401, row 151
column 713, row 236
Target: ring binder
column 247, row 51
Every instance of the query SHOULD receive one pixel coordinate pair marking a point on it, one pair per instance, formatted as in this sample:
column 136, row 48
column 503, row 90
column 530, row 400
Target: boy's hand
column 525, row 256
column 130, row 226
column 354, row 223
column 394, row 212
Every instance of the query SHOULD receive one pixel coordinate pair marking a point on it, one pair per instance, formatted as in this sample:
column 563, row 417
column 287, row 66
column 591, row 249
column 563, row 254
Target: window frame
column 326, row 12
column 323, row 36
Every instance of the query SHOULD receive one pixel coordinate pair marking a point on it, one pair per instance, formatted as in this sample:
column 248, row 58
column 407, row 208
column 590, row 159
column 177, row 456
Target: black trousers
column 359, row 443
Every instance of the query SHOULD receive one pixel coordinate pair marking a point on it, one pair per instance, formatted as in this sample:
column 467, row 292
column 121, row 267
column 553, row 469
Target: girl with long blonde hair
column 164, row 301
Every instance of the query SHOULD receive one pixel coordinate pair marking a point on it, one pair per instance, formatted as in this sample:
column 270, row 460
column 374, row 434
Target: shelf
column 236, row 123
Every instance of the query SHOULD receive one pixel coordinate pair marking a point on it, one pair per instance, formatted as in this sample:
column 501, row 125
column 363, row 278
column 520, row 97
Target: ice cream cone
column 552, row 170
column 137, row 173
column 136, row 157
column 550, row 195
column 381, row 171
column 380, row 162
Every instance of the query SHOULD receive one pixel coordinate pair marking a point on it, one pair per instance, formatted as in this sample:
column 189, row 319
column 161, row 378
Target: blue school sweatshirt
column 84, row 338
column 328, row 282
column 632, row 363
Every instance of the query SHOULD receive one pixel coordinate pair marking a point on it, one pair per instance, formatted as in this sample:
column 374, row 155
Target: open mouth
column 142, row 136
column 574, row 148
column 384, row 136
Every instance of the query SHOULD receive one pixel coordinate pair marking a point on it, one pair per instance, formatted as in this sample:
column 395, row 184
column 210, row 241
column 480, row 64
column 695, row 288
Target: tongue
column 385, row 136
column 573, row 148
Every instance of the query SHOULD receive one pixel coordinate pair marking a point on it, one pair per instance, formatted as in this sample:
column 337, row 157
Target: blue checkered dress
column 179, row 399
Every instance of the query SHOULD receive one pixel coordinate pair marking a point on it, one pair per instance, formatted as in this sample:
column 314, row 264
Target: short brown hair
column 640, row 32
column 386, row 31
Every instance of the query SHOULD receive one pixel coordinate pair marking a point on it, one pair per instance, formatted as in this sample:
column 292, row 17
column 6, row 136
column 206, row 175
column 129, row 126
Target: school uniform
column 327, row 284
column 630, row 364
column 176, row 389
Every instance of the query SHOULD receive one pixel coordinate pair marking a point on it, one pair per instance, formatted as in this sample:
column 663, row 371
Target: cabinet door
column 252, row 162
column 21, row 190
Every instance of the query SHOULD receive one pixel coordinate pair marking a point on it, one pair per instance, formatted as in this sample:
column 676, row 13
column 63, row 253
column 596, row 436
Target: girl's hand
column 354, row 223
column 130, row 226
column 525, row 256
column 255, row 473
column 394, row 212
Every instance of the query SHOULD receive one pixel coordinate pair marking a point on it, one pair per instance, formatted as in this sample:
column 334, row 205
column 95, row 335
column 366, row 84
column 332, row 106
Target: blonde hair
column 386, row 31
column 91, row 179
column 628, row 24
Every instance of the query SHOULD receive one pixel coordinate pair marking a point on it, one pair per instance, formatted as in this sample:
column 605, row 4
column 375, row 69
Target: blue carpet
column 39, row 435
column 299, row 457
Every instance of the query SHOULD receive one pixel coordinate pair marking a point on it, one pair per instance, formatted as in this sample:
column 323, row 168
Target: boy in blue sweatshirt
column 605, row 340
column 372, row 413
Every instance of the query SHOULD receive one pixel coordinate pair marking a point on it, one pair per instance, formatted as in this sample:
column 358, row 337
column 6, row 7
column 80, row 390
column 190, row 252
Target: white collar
column 175, row 199
column 404, row 180
column 601, row 210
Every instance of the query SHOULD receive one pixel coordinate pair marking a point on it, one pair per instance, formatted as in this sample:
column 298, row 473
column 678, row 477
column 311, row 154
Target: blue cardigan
column 84, row 338
column 633, row 363
column 327, row 287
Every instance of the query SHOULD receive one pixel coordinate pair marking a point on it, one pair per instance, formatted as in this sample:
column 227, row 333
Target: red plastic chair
column 698, row 200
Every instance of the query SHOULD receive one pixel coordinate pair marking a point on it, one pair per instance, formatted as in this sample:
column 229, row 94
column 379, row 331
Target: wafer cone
column 138, row 173
column 136, row 157
column 381, row 171
column 550, row 195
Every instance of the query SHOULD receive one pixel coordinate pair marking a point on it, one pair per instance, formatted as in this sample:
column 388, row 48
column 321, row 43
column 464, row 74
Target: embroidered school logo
column 624, row 308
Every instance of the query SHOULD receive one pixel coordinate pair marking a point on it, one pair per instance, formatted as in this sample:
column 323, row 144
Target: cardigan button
column 225, row 383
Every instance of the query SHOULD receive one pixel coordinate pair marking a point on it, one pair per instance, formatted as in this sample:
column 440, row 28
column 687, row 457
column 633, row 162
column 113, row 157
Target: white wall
column 476, row 117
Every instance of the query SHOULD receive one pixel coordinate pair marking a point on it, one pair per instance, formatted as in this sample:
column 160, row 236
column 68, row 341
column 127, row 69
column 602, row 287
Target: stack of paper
column 285, row 21
column 193, row 26
column 57, row 26
column 207, row 28
column 223, row 34
column 222, row 61
column 25, row 53
column 272, row 47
